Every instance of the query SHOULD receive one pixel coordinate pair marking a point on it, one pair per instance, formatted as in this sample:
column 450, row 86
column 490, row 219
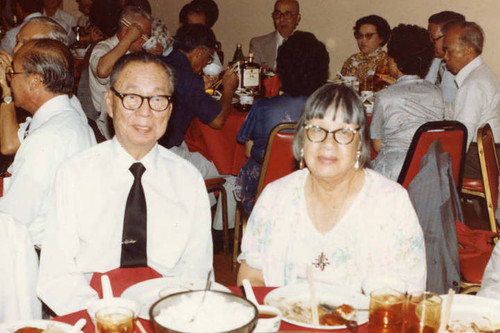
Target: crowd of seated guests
column 340, row 214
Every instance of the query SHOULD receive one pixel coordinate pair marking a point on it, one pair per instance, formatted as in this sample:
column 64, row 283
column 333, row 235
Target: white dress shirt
column 66, row 20
column 447, row 85
column 478, row 99
column 57, row 132
column 9, row 40
column 490, row 285
column 85, row 233
column 99, row 86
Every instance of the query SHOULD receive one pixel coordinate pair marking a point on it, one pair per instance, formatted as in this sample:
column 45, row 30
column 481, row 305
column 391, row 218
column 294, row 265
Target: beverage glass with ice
column 386, row 311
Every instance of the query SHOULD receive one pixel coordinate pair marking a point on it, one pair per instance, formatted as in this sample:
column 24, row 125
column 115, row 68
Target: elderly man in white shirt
column 438, row 74
column 91, row 215
column 106, row 53
column 25, row 10
column 66, row 20
column 477, row 101
column 41, row 79
column 286, row 17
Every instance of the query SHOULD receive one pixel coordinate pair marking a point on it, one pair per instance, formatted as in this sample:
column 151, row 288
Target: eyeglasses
column 10, row 73
column 133, row 102
column 211, row 54
column 288, row 15
column 368, row 35
column 343, row 136
column 437, row 38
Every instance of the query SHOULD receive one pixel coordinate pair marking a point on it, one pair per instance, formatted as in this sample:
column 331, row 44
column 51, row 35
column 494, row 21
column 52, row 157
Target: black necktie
column 134, row 238
column 442, row 68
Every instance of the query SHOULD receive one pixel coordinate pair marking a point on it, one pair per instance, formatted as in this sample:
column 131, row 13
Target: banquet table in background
column 219, row 145
column 122, row 278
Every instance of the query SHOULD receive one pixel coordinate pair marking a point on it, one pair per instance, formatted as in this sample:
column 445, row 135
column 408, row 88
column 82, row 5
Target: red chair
column 453, row 138
column 278, row 162
column 473, row 265
column 217, row 184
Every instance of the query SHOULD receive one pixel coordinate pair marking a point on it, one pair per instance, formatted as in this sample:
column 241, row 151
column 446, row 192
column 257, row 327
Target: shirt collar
column 279, row 39
column 124, row 160
column 408, row 78
column 373, row 54
column 50, row 108
column 464, row 72
column 30, row 16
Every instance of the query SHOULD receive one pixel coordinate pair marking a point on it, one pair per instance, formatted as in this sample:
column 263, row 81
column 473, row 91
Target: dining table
column 122, row 278
column 219, row 145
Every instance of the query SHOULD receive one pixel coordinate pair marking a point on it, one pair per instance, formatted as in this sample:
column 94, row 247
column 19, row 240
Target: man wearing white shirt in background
column 438, row 74
column 41, row 80
column 66, row 20
column 107, row 52
column 25, row 10
column 93, row 196
column 477, row 101
column 286, row 17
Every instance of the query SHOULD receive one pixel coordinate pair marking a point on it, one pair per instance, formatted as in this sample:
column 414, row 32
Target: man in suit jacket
column 286, row 17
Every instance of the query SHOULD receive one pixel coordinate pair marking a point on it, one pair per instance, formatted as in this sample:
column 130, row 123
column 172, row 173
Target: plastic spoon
column 77, row 327
column 247, row 286
column 107, row 292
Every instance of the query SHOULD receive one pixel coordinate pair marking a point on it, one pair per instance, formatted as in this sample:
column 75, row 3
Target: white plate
column 284, row 297
column 42, row 324
column 147, row 292
column 467, row 308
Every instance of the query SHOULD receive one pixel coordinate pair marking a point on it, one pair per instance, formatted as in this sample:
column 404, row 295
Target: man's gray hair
column 55, row 30
column 132, row 12
column 471, row 34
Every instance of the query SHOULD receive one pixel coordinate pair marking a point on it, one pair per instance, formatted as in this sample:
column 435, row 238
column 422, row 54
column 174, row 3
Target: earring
column 356, row 164
column 301, row 163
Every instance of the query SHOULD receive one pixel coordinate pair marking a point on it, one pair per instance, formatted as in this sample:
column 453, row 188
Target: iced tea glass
column 115, row 320
column 423, row 313
column 386, row 311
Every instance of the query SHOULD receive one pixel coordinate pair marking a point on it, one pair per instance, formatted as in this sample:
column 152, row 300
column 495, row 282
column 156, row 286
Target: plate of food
column 336, row 306
column 36, row 326
column 468, row 311
column 147, row 292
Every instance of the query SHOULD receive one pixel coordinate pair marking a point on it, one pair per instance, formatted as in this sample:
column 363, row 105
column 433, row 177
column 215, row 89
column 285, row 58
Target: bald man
column 286, row 17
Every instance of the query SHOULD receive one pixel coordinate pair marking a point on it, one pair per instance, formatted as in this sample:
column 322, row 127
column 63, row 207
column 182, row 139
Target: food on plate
column 339, row 316
column 49, row 329
column 300, row 311
column 485, row 325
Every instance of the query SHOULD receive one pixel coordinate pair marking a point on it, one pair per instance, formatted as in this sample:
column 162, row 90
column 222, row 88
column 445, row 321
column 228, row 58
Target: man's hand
column 156, row 50
column 134, row 32
column 5, row 63
column 209, row 81
column 230, row 82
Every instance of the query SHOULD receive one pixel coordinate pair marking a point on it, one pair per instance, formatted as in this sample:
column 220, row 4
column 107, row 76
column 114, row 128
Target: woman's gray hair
column 55, row 30
column 339, row 99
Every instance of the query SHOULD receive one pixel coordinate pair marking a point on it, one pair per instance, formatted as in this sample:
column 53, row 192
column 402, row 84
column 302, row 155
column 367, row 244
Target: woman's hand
column 255, row 276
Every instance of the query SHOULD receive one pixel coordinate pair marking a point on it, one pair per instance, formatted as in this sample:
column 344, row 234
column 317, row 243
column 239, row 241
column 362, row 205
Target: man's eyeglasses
column 133, row 102
column 9, row 73
column 368, row 35
column 288, row 15
column 211, row 54
column 343, row 136
column 437, row 38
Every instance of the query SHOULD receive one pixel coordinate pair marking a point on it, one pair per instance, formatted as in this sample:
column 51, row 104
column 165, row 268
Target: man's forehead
column 285, row 5
column 132, row 73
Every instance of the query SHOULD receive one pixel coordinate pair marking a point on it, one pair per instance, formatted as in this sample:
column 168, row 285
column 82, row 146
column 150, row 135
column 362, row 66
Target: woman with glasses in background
column 345, row 222
column 371, row 33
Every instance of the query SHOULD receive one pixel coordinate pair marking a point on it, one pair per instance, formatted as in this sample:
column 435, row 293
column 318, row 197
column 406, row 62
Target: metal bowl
column 176, row 298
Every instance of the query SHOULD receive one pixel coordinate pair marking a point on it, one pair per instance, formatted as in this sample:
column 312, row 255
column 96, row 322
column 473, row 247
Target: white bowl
column 271, row 324
column 212, row 69
column 102, row 303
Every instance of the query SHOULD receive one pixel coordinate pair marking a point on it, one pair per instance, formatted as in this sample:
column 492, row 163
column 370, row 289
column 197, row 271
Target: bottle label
column 246, row 99
column 251, row 77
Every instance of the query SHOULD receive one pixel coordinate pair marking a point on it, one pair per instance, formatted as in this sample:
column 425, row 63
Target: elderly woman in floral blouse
column 372, row 33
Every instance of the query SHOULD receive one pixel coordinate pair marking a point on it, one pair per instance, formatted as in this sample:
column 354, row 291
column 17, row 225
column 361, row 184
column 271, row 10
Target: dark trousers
column 472, row 167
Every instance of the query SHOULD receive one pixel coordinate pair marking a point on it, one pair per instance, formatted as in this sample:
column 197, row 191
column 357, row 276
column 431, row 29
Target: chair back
column 278, row 159
column 489, row 170
column 453, row 138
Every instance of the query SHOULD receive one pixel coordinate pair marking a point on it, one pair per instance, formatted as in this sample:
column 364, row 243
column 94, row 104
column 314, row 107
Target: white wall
column 332, row 20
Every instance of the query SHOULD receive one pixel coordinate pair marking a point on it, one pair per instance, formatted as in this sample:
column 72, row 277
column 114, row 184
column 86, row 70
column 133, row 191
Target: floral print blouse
column 362, row 66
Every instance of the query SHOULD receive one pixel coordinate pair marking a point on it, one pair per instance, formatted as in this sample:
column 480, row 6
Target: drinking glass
column 423, row 313
column 386, row 311
column 115, row 320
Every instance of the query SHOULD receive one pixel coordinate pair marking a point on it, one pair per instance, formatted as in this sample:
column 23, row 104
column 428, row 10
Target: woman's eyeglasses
column 343, row 136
